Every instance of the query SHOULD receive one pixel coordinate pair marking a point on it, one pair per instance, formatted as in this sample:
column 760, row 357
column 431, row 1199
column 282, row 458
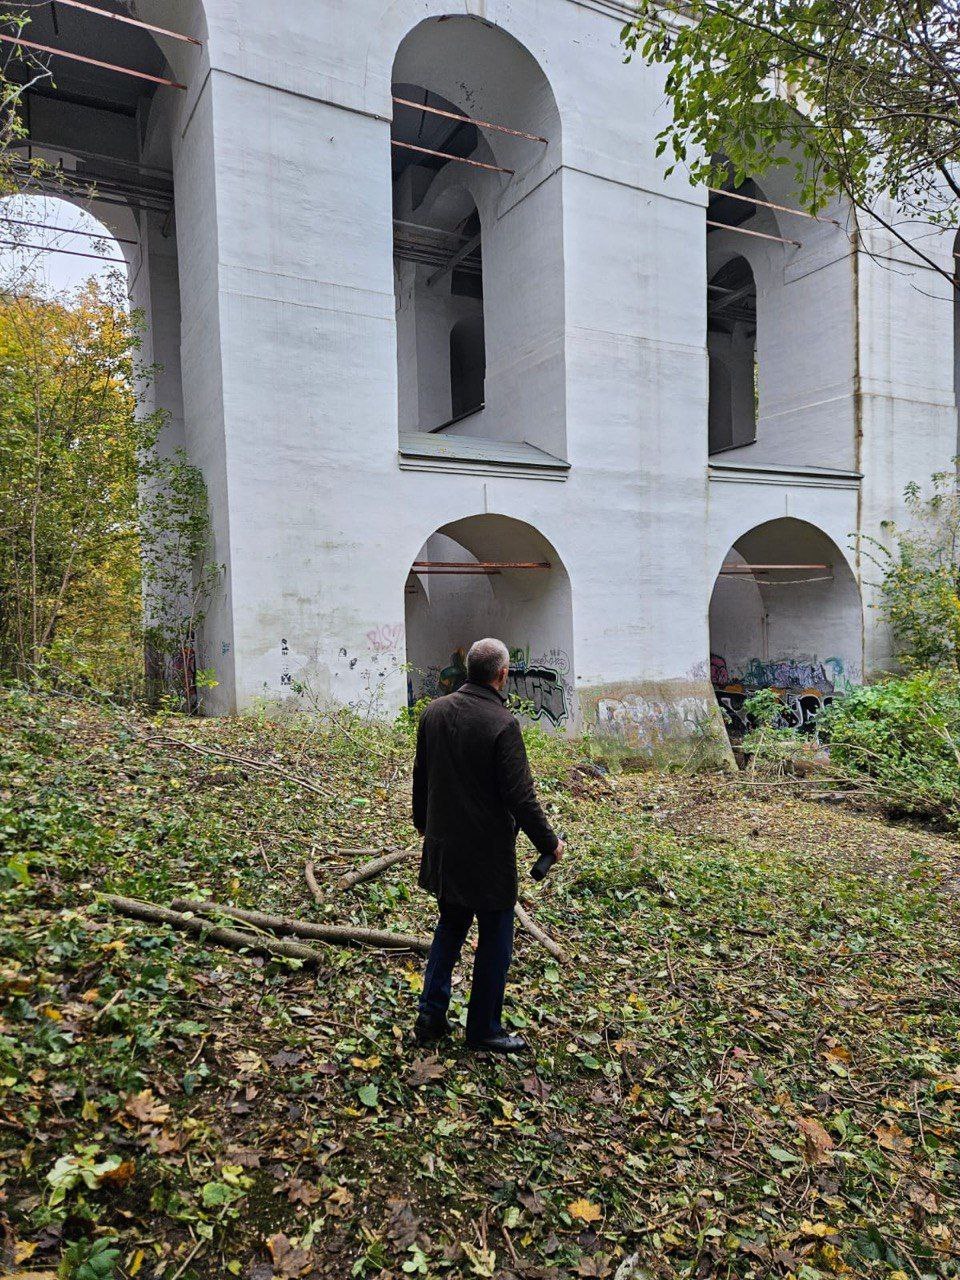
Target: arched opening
column 781, row 327
column 477, row 270
column 732, row 348
column 95, row 162
column 744, row 242
column 53, row 247
column 492, row 575
column 785, row 614
column 440, row 328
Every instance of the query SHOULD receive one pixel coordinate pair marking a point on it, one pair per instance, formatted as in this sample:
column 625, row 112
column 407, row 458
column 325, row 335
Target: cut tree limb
column 370, row 869
column 235, row 939
column 534, row 930
column 260, row 766
column 345, row 935
column 311, row 880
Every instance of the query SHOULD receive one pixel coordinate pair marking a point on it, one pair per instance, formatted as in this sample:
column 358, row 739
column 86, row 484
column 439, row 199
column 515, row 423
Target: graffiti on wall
column 651, row 723
column 804, row 685
column 540, row 683
column 543, row 688
column 386, row 637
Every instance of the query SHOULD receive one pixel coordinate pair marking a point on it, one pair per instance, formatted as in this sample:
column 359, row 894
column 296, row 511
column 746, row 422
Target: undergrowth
column 748, row 1067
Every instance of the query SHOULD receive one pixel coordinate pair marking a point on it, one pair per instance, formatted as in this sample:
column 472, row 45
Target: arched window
column 732, row 347
column 477, row 244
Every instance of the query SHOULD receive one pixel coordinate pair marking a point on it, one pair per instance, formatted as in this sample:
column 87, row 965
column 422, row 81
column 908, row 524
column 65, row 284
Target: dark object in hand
column 543, row 865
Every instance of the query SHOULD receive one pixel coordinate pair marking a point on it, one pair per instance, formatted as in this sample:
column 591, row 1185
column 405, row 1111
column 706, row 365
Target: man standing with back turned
column 472, row 792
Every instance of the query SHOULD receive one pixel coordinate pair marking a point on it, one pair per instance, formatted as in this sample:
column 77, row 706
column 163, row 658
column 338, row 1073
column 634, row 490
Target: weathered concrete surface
column 302, row 355
column 666, row 722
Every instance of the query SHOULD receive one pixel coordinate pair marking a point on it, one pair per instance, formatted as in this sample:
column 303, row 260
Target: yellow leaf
column 837, row 1053
column 584, row 1211
column 90, row 1110
column 53, row 1014
column 414, row 981
column 136, row 1262
column 366, row 1064
column 817, row 1229
column 22, row 1251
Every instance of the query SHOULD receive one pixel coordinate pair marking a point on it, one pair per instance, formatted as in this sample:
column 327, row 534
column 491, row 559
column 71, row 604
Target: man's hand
column 560, row 849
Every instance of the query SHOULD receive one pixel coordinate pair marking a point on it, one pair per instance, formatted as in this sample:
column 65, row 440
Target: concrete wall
column 298, row 367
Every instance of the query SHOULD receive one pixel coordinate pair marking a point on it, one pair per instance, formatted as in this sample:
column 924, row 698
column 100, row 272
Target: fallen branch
column 261, row 766
column 530, row 925
column 345, row 935
column 368, row 870
column 311, row 880
column 235, row 939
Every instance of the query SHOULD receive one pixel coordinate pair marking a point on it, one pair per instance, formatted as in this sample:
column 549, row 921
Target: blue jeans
column 490, row 965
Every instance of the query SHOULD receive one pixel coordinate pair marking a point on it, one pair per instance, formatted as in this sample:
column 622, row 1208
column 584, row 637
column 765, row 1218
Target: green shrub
column 904, row 735
column 920, row 591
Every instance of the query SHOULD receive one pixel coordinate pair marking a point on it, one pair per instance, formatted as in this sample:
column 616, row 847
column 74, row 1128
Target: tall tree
column 859, row 97
column 68, row 473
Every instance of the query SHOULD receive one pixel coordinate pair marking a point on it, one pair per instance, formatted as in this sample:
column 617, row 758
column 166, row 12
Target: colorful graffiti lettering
column 520, row 657
column 452, row 676
column 804, row 686
column 790, row 673
column 537, row 683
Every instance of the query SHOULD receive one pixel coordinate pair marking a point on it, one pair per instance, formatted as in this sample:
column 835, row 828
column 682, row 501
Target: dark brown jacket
column 472, row 792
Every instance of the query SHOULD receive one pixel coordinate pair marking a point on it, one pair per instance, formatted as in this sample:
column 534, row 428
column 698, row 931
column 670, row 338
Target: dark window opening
column 732, row 347
column 468, row 366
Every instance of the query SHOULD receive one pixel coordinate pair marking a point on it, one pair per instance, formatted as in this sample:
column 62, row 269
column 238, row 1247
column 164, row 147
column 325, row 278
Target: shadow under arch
column 492, row 575
column 785, row 614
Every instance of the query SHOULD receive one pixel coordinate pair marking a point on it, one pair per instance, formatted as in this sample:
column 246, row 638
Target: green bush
column 920, row 591
column 904, row 735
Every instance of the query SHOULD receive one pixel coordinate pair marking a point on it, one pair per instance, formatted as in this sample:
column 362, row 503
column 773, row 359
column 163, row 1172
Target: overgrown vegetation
column 920, row 565
column 749, row 1068
column 903, row 735
column 104, row 534
column 852, row 97
column 69, row 550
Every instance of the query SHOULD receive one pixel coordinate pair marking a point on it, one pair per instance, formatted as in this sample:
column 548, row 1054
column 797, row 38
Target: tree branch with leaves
column 859, row 98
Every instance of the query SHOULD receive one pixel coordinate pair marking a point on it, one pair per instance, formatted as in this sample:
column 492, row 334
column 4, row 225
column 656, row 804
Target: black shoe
column 428, row 1029
column 502, row 1042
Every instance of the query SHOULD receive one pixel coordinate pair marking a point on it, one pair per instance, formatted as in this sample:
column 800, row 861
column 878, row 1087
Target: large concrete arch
column 807, row 332
column 531, row 609
column 487, row 74
column 798, row 630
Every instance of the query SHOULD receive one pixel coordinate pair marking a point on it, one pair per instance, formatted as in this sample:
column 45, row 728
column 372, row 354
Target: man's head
column 488, row 662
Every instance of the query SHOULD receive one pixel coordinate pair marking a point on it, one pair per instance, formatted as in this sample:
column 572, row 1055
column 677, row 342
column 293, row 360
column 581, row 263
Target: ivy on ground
column 748, row 1068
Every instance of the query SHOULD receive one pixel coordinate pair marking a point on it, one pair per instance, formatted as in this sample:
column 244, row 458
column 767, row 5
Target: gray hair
column 486, row 660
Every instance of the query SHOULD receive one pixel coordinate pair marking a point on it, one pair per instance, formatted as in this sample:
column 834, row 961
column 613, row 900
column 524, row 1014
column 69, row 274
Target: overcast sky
column 55, row 271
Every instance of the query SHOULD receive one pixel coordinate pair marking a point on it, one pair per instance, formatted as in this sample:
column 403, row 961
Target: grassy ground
column 749, row 1067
